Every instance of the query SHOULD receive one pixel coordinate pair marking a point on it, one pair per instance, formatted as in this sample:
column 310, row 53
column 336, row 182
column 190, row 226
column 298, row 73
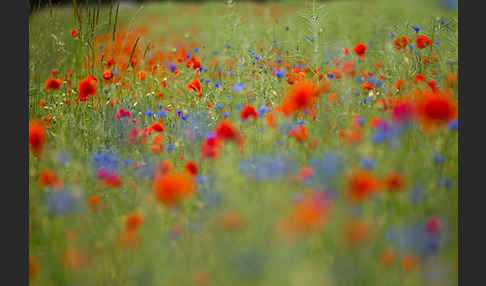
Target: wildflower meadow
column 240, row 143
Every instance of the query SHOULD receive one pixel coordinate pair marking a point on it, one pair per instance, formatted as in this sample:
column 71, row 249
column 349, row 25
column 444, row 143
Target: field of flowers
column 306, row 143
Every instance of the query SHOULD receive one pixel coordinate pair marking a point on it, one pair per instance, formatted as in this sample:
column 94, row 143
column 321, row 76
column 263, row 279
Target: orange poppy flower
column 107, row 75
column 195, row 85
column 231, row 221
column 170, row 189
column 387, row 257
column 133, row 221
column 408, row 262
column 73, row 258
column 358, row 231
column 129, row 239
column 47, row 178
column 362, row 184
column 309, row 215
column 141, row 75
column 300, row 96
column 395, row 181
column 34, row 266
column 368, row 86
column 93, row 202
column 299, row 133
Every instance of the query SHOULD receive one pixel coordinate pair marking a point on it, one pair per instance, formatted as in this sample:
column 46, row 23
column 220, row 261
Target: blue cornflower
column 208, row 81
column 170, row 147
column 226, row 114
column 367, row 163
column 262, row 110
column 228, row 46
column 162, row 113
column 63, row 157
column 215, row 52
column 101, row 47
column 445, row 182
column 437, row 42
column 219, row 106
column 417, row 194
column 279, row 60
column 417, row 28
column 239, row 106
column 218, row 84
column 61, row 202
column 205, row 68
column 300, row 122
column 149, row 112
column 228, row 95
column 238, row 86
column 453, row 124
column 188, row 55
column 439, row 158
column 196, row 50
column 257, row 57
column 172, row 67
column 328, row 165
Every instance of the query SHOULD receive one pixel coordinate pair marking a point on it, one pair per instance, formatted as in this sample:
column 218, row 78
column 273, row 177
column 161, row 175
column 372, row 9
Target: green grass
column 255, row 254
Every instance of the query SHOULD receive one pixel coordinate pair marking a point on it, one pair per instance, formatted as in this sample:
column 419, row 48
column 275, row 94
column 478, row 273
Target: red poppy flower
column 248, row 111
column 436, row 108
column 74, row 32
column 360, row 49
column 225, row 130
column 37, row 137
column 191, row 167
column 402, row 42
column 52, row 83
column 423, row 41
column 419, row 77
column 87, row 87
column 210, row 147
column 107, row 75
